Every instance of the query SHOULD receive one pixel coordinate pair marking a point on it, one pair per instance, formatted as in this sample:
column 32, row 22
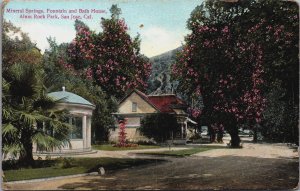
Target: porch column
column 181, row 130
column 186, row 130
column 84, row 131
column 89, row 134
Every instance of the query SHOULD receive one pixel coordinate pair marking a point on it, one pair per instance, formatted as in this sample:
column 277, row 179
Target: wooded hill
column 160, row 79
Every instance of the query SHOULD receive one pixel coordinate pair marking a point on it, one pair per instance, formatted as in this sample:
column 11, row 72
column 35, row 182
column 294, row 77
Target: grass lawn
column 185, row 152
column 53, row 168
column 108, row 147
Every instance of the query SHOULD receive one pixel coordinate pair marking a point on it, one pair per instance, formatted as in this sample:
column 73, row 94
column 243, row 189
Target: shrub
column 146, row 142
column 112, row 142
column 126, row 145
column 66, row 162
column 195, row 136
column 48, row 157
column 10, row 164
column 159, row 126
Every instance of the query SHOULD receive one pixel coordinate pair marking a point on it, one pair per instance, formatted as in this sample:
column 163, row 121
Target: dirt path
column 128, row 153
column 256, row 166
column 259, row 150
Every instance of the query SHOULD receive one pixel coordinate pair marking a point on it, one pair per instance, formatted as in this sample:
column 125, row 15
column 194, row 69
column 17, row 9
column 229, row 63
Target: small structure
column 135, row 105
column 80, row 118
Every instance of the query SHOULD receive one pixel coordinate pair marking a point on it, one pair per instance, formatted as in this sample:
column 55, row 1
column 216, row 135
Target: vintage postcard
column 150, row 95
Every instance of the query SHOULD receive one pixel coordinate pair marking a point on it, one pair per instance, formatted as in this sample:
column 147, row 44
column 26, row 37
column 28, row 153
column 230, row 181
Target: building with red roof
column 135, row 105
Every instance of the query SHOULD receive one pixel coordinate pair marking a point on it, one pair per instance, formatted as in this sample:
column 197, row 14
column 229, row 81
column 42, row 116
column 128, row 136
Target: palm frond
column 13, row 149
column 5, row 87
column 44, row 102
column 58, row 113
column 28, row 118
column 6, row 113
column 9, row 129
column 62, row 129
column 31, row 118
column 46, row 142
column 23, row 79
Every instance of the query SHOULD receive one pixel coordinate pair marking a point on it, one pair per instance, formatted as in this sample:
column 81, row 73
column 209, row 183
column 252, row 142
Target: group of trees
column 99, row 67
column 26, row 108
column 241, row 58
column 59, row 74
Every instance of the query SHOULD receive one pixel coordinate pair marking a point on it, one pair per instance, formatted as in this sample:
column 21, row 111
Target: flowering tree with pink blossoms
column 122, row 133
column 228, row 84
column 110, row 58
column 224, row 69
column 233, row 56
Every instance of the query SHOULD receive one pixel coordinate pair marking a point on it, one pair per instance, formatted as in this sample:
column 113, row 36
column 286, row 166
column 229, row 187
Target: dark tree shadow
column 200, row 173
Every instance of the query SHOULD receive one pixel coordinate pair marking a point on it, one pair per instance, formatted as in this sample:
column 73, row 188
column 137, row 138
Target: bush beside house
column 160, row 126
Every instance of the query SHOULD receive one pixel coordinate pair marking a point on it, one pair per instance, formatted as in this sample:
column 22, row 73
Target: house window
column 76, row 122
column 134, row 106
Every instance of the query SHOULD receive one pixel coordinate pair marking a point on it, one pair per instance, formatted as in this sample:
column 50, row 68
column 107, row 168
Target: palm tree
column 29, row 115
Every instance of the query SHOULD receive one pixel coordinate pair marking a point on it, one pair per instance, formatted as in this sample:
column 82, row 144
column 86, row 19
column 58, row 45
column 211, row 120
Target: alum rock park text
column 55, row 13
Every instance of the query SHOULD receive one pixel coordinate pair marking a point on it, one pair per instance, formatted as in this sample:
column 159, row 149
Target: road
column 268, row 166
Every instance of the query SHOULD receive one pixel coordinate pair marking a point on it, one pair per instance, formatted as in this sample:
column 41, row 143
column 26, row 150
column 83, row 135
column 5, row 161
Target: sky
column 163, row 21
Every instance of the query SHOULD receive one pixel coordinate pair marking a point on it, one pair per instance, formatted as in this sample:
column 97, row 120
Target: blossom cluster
column 227, row 93
column 112, row 60
column 253, row 98
column 67, row 66
column 194, row 111
column 82, row 45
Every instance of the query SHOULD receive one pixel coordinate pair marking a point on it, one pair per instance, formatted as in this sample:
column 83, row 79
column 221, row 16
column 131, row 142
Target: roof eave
column 77, row 104
column 137, row 92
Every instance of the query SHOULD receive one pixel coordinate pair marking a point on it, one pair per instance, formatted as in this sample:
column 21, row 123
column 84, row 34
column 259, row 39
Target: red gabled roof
column 166, row 103
column 162, row 103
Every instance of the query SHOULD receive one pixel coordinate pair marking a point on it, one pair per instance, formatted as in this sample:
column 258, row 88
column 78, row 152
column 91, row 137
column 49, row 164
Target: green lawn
column 53, row 168
column 108, row 147
column 185, row 152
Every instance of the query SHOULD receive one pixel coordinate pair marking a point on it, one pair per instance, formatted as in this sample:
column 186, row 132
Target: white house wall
column 133, row 117
column 132, row 135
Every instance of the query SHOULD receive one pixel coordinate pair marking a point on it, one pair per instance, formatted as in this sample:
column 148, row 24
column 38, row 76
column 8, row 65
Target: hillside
column 160, row 79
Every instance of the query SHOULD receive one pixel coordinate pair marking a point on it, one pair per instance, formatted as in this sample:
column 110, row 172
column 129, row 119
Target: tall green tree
column 29, row 115
column 26, row 106
column 17, row 47
column 280, row 120
column 277, row 29
column 60, row 73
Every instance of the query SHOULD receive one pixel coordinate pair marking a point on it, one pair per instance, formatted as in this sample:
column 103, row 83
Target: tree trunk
column 255, row 134
column 213, row 137
column 220, row 136
column 26, row 157
column 235, row 139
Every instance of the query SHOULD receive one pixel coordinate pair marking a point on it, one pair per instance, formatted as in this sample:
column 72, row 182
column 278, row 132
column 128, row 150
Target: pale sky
column 164, row 21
